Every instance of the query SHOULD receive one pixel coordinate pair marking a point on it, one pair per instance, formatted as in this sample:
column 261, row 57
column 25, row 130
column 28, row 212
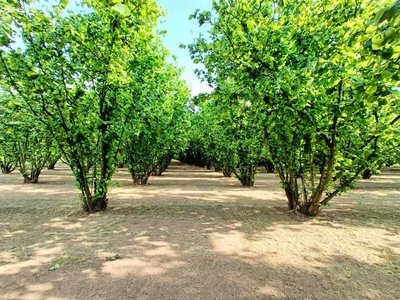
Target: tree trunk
column 292, row 192
column 289, row 183
column 162, row 164
column 92, row 205
column 157, row 172
column 269, row 166
column 51, row 165
column 97, row 201
column 141, row 180
column 246, row 175
column 52, row 162
column 7, row 167
column 291, row 197
column 100, row 204
column 33, row 177
column 226, row 170
column 80, row 170
column 367, row 174
column 247, row 180
column 227, row 173
column 313, row 208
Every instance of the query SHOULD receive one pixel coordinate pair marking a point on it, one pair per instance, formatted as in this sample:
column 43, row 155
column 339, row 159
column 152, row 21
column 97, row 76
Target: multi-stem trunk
column 289, row 183
column 52, row 162
column 246, row 175
column 93, row 190
column 269, row 166
column 142, row 180
column 7, row 167
column 33, row 176
column 140, row 167
column 162, row 164
column 227, row 172
column 30, row 174
column 314, row 204
column 80, row 172
column 367, row 174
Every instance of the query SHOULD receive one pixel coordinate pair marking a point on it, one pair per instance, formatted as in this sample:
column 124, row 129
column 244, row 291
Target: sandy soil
column 192, row 234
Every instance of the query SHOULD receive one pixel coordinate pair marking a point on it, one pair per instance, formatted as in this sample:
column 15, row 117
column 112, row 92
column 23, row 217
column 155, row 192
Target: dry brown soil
column 192, row 234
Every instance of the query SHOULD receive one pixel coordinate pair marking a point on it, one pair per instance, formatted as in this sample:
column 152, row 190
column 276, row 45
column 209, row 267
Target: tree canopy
column 310, row 87
column 80, row 74
column 324, row 74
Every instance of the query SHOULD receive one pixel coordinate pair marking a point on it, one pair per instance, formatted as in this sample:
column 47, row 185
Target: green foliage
column 322, row 76
column 24, row 143
column 114, row 257
column 74, row 73
column 54, row 267
column 230, row 139
column 156, row 118
column 7, row 145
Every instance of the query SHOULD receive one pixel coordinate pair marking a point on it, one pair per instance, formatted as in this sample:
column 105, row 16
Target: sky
column 182, row 31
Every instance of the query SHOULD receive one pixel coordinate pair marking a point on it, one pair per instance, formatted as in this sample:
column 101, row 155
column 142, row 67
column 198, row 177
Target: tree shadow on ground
column 208, row 262
column 190, row 243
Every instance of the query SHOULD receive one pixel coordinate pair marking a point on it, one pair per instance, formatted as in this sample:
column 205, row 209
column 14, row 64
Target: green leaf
column 114, row 257
column 334, row 82
column 383, row 101
column 390, row 13
column 371, row 89
column 379, row 15
column 378, row 39
column 387, row 74
column 54, row 267
column 377, row 47
column 387, row 53
column 122, row 9
column 143, row 11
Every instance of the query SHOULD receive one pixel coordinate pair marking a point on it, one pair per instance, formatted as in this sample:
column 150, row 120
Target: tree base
column 367, row 174
column 141, row 181
column 29, row 180
column 227, row 174
column 247, row 181
column 269, row 167
column 99, row 205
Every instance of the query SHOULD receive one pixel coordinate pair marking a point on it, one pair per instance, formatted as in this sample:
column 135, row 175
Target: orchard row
column 308, row 88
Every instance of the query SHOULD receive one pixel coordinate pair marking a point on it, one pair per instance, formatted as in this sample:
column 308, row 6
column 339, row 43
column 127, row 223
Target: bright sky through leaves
column 179, row 31
column 182, row 31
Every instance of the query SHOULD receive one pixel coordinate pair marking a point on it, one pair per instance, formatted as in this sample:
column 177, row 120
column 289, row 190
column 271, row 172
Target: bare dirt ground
column 192, row 234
